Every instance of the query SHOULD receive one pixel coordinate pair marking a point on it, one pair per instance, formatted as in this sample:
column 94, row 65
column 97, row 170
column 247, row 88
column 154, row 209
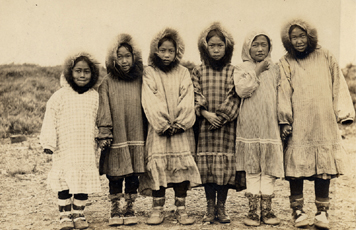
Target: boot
column 267, row 215
column 157, row 214
column 129, row 213
column 210, row 211
column 252, row 219
column 65, row 214
column 78, row 214
column 116, row 217
column 222, row 217
column 321, row 217
column 181, row 213
column 299, row 216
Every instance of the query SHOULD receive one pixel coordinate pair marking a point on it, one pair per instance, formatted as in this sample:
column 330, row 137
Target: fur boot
column 157, row 214
column 321, row 217
column 252, row 219
column 267, row 215
column 65, row 214
column 116, row 217
column 129, row 212
column 78, row 214
column 299, row 216
column 181, row 213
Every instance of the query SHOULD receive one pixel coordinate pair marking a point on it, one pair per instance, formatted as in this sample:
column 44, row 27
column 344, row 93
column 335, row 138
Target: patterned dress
column 69, row 130
column 168, row 98
column 214, row 91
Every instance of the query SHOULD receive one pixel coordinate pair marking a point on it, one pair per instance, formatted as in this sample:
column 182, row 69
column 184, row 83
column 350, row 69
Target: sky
column 45, row 32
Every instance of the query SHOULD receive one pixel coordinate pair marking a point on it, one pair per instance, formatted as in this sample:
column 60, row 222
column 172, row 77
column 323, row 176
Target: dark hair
column 68, row 73
column 167, row 38
column 215, row 32
column 127, row 46
column 311, row 44
column 267, row 38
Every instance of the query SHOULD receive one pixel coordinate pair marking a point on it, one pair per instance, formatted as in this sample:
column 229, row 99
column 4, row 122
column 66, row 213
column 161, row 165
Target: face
column 259, row 48
column 81, row 73
column 299, row 39
column 167, row 52
column 124, row 59
column 216, row 48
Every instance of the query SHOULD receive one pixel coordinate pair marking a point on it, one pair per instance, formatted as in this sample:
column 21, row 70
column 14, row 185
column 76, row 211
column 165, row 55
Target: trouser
column 258, row 182
column 63, row 195
column 180, row 190
column 321, row 188
column 115, row 184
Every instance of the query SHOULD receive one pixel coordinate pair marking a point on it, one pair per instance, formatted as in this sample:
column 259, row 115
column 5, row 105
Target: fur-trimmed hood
column 203, row 45
column 173, row 34
column 111, row 58
column 311, row 34
column 69, row 65
column 245, row 54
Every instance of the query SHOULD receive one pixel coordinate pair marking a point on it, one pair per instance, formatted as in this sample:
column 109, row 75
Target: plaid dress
column 68, row 129
column 214, row 91
column 168, row 98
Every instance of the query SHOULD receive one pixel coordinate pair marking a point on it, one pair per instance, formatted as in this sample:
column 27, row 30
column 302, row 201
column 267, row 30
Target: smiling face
column 299, row 39
column 81, row 73
column 259, row 48
column 167, row 52
column 216, row 48
column 124, row 59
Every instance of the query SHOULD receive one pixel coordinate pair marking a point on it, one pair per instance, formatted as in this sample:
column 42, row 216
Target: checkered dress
column 168, row 98
column 68, row 129
column 214, row 91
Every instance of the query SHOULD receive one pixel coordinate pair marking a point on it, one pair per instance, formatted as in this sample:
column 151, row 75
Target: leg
column 79, row 203
column 131, row 186
column 267, row 189
column 180, row 190
column 296, row 203
column 322, row 203
column 222, row 191
column 115, row 194
column 253, row 184
column 157, row 214
column 65, row 210
column 210, row 194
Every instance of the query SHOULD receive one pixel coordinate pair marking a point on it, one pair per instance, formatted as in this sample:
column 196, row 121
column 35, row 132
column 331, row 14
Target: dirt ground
column 26, row 203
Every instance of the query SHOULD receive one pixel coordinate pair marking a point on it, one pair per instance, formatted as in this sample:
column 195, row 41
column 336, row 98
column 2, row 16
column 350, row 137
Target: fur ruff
column 203, row 47
column 68, row 67
column 155, row 61
column 111, row 59
column 312, row 36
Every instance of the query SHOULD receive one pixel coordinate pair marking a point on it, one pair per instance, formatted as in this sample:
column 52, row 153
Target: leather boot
column 252, row 218
column 210, row 211
column 129, row 213
column 157, row 214
column 78, row 214
column 321, row 217
column 116, row 217
column 181, row 213
column 299, row 216
column 267, row 215
column 65, row 214
column 222, row 217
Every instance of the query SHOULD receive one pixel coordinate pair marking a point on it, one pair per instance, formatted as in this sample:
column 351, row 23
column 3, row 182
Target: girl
column 258, row 143
column 216, row 105
column 121, row 126
column 168, row 101
column 68, row 132
column 314, row 94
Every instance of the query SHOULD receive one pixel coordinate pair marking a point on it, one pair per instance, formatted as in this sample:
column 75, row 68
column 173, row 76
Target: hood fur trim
column 172, row 33
column 311, row 34
column 203, row 46
column 111, row 58
column 245, row 54
column 67, row 71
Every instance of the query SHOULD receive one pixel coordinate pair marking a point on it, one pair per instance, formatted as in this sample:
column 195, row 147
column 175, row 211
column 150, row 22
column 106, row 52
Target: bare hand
column 213, row 119
column 286, row 131
column 262, row 66
column 104, row 143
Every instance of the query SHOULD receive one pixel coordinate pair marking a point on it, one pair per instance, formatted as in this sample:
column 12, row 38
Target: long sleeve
column 284, row 92
column 246, row 82
column 229, row 108
column 154, row 103
column 199, row 99
column 48, row 137
column 104, row 118
column 185, row 116
column 342, row 102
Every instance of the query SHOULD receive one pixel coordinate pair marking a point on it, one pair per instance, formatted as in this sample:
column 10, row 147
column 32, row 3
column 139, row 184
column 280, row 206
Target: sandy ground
column 26, row 203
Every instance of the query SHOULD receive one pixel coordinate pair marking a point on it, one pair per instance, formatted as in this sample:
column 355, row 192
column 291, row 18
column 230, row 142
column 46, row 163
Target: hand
column 262, row 66
column 176, row 130
column 48, row 151
column 213, row 119
column 168, row 132
column 286, row 131
column 104, row 143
